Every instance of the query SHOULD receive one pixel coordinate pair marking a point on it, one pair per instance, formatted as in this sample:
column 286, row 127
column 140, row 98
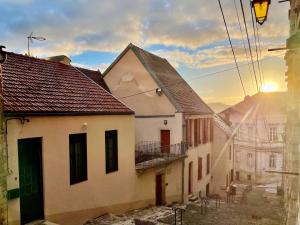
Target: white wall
column 148, row 129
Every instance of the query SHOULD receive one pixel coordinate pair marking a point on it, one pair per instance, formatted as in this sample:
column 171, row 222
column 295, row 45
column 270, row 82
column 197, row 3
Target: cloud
column 211, row 57
column 74, row 27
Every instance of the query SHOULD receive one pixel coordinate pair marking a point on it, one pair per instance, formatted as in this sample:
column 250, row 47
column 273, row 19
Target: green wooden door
column 31, row 179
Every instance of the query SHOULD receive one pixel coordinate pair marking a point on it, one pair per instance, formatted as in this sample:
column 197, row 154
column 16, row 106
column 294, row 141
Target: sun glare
column 269, row 87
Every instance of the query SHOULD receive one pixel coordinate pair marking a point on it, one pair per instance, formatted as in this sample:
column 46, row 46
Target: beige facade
column 260, row 137
column 101, row 193
column 130, row 81
column 222, row 160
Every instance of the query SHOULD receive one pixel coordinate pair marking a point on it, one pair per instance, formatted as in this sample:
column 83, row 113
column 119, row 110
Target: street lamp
column 261, row 8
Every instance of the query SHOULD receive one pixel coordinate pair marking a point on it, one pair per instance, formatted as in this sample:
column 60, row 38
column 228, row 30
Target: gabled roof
column 269, row 101
column 40, row 87
column 182, row 96
column 222, row 125
column 95, row 76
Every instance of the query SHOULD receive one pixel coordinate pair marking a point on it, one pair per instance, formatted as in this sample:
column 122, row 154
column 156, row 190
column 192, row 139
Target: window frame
column 75, row 176
column 111, row 168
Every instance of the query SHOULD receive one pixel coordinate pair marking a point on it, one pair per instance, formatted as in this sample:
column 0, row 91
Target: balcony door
column 165, row 141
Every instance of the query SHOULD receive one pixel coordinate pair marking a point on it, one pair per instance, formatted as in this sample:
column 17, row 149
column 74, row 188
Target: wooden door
column 207, row 190
column 31, row 179
column 159, row 189
column 190, row 183
column 165, row 141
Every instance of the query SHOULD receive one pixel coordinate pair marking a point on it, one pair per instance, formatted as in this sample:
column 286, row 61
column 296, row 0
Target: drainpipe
column 3, row 157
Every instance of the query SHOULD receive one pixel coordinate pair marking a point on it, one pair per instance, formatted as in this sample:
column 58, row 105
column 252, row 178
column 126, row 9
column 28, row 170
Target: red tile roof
column 268, row 102
column 179, row 92
column 95, row 76
column 39, row 86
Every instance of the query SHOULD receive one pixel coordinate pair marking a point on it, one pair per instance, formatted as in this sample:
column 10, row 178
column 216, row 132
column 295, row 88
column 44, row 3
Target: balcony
column 149, row 154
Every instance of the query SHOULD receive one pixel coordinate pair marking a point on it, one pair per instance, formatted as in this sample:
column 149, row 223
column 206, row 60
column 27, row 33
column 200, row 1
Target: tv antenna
column 30, row 39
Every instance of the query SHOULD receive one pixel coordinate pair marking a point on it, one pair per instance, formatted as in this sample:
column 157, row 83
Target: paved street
column 256, row 207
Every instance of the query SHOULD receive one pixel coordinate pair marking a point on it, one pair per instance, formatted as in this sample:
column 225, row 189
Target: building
column 291, row 162
column 260, row 138
column 70, row 145
column 168, row 114
column 222, row 156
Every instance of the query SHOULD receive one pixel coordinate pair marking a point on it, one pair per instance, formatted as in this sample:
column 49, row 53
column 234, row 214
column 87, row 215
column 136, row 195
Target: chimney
column 60, row 58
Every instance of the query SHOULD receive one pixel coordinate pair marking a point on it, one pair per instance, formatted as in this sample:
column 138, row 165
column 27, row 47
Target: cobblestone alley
column 255, row 207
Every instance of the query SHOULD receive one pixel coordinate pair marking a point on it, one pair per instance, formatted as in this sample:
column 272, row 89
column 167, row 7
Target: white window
column 272, row 161
column 273, row 134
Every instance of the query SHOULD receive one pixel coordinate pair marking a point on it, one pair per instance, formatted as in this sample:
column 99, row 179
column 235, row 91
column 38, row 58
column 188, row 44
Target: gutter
column 49, row 113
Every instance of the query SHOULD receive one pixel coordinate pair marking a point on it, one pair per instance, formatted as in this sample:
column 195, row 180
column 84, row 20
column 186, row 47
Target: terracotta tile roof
column 182, row 96
column 95, row 76
column 269, row 102
column 222, row 125
column 39, row 86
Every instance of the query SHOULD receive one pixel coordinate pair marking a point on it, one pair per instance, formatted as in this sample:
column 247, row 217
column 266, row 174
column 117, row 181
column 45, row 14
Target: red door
column 165, row 141
column 159, row 189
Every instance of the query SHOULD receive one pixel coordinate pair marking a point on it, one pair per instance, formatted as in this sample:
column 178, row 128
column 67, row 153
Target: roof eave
column 47, row 113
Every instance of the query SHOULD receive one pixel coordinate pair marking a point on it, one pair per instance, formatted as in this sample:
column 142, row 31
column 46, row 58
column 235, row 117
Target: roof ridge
column 148, row 52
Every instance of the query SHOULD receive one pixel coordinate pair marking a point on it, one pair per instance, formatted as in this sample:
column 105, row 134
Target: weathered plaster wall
column 73, row 204
column 129, row 77
column 221, row 168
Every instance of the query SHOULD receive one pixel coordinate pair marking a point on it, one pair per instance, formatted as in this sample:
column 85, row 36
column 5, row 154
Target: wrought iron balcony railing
column 154, row 153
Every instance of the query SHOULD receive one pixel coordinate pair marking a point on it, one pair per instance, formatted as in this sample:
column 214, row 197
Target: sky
column 190, row 34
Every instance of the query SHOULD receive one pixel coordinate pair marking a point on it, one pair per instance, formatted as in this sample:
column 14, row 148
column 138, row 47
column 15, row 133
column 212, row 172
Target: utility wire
column 255, row 41
column 245, row 24
column 194, row 78
column 237, row 67
column 244, row 44
column 260, row 55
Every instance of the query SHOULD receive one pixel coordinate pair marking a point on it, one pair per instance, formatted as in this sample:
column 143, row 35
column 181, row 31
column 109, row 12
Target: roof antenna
column 30, row 40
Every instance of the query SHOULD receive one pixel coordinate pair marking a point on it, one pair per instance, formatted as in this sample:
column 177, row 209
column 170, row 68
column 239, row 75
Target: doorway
column 165, row 141
column 207, row 190
column 160, row 190
column 31, row 179
column 237, row 175
column 190, row 187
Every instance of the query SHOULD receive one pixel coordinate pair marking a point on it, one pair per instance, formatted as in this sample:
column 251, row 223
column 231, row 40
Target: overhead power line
column 255, row 41
column 259, row 48
column 249, row 45
column 244, row 44
column 237, row 67
column 194, row 78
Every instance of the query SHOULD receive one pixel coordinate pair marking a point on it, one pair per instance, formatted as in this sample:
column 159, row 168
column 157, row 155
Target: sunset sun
column 269, row 87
